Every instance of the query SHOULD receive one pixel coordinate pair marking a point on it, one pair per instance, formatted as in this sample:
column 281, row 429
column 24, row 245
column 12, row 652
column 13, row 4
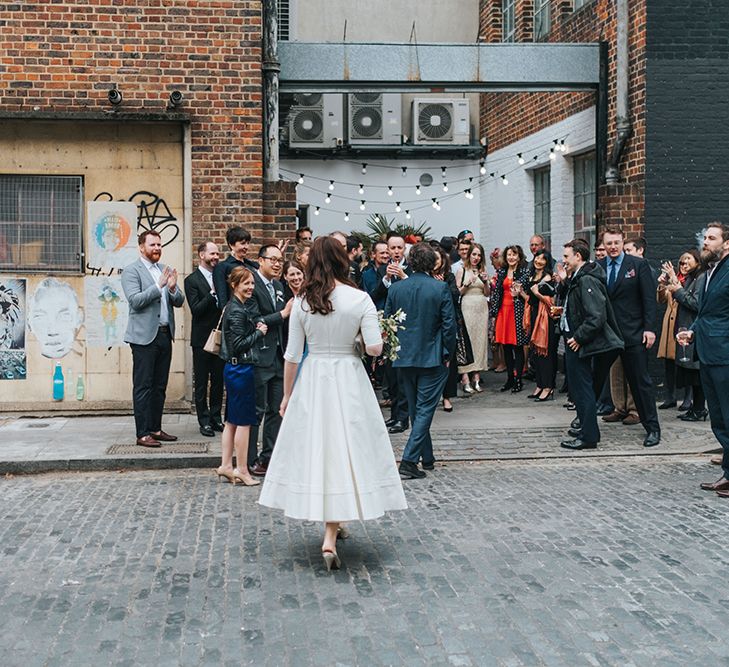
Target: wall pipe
column 271, row 68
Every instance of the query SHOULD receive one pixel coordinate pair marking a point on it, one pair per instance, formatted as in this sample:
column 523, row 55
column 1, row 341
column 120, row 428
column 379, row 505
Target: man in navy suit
column 427, row 346
column 710, row 333
column 632, row 291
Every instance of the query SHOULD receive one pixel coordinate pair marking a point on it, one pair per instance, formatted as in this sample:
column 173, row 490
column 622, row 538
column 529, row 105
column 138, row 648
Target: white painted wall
column 456, row 212
column 507, row 212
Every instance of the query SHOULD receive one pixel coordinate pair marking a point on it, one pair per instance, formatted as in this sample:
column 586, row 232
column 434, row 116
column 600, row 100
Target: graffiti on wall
column 111, row 233
column 107, row 311
column 54, row 317
column 12, row 329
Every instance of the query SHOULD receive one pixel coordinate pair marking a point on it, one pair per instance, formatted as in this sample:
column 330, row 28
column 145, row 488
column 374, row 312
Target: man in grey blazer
column 152, row 292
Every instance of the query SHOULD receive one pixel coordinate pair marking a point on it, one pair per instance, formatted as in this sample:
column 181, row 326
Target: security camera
column 115, row 97
column 175, row 98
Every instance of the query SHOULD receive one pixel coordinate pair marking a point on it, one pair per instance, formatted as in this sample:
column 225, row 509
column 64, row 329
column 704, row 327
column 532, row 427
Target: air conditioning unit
column 316, row 121
column 375, row 118
column 440, row 121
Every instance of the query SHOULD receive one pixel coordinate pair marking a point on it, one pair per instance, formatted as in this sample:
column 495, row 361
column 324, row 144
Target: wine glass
column 682, row 337
column 263, row 345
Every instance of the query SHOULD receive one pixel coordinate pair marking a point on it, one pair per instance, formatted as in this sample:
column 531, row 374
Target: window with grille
column 584, row 174
column 508, row 21
column 542, row 219
column 284, row 20
column 41, row 223
column 541, row 19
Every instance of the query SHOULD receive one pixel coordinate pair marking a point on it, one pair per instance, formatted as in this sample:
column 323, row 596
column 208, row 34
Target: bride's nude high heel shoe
column 245, row 478
column 222, row 473
column 331, row 559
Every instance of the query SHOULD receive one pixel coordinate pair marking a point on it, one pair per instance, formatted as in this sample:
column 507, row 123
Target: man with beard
column 354, row 253
column 152, row 292
column 207, row 368
column 710, row 333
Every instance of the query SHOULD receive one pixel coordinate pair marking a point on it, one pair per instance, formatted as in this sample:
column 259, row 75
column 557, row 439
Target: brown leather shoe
column 720, row 485
column 163, row 437
column 259, row 470
column 614, row 417
column 631, row 420
column 148, row 441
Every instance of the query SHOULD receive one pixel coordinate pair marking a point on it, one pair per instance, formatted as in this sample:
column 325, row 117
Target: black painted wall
column 687, row 122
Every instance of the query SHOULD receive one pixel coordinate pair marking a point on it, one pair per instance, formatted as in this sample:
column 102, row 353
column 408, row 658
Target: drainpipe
column 271, row 68
column 624, row 126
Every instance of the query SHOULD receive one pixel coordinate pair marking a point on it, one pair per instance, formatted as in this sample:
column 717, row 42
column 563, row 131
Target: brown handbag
column 212, row 344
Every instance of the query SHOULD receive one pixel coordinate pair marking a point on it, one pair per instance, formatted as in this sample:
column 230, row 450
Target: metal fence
column 41, row 223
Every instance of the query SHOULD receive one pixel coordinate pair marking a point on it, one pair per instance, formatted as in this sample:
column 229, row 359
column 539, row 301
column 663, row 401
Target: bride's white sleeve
column 370, row 327
column 295, row 346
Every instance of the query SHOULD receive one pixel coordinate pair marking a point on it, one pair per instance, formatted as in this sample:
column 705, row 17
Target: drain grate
column 176, row 448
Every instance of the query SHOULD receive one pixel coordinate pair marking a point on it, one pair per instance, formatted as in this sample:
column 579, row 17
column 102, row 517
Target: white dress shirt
column 156, row 273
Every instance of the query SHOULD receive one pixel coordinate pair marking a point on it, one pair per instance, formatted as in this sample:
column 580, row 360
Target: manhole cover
column 177, row 448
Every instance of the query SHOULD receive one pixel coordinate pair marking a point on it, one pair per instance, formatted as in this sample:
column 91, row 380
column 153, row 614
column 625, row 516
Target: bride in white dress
column 332, row 461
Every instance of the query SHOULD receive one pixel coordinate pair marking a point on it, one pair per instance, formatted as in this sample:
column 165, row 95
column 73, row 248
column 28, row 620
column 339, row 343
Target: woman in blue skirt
column 239, row 333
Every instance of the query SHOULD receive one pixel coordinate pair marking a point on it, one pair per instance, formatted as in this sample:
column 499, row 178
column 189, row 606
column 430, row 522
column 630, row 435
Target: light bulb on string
column 468, row 194
column 443, row 172
column 563, row 146
column 435, row 204
column 552, row 154
column 316, row 212
column 417, row 189
column 445, row 187
column 521, row 158
column 346, row 217
column 397, row 207
column 327, row 199
column 407, row 215
column 300, row 180
column 482, row 169
column 404, row 172
column 361, row 189
column 331, row 185
column 492, row 174
column 377, row 218
column 364, row 167
column 362, row 206
column 504, row 180
column 389, row 191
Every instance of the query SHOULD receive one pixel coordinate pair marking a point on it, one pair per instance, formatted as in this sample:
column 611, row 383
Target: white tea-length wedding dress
column 333, row 460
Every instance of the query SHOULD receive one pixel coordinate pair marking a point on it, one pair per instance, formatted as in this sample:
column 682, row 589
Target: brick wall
column 687, row 143
column 508, row 117
column 63, row 57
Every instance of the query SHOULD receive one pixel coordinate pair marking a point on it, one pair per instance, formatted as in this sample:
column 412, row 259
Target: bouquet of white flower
column 389, row 326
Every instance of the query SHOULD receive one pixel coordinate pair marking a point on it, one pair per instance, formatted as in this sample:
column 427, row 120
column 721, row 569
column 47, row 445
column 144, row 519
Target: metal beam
column 343, row 67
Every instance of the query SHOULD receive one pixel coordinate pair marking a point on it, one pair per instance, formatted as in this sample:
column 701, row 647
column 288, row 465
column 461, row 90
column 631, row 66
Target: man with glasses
column 267, row 305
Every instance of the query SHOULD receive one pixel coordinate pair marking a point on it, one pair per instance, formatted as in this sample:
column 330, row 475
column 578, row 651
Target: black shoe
column 518, row 386
column 652, row 439
column 397, row 427
column 207, row 431
column 686, row 405
column 508, row 385
column 577, row 443
column 575, row 423
column 571, row 406
column 409, row 470
column 575, row 433
column 428, row 466
column 693, row 416
column 389, row 422
column 218, row 426
column 667, row 404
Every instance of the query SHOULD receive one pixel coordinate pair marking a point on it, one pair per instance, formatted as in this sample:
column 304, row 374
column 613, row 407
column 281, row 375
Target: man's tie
column 613, row 273
column 272, row 294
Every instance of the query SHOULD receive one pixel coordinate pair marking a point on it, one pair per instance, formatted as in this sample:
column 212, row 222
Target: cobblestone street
column 593, row 562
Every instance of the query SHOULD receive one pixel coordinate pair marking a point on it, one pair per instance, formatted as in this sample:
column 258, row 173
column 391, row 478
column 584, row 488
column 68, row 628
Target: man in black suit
column 632, row 292
column 207, row 368
column 354, row 253
column 238, row 240
column 268, row 306
column 389, row 274
column 710, row 335
column 427, row 346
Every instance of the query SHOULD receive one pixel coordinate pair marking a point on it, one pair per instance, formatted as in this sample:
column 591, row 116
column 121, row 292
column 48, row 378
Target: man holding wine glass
column 710, row 333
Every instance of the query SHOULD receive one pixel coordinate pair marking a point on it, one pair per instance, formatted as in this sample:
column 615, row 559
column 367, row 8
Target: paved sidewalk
column 486, row 426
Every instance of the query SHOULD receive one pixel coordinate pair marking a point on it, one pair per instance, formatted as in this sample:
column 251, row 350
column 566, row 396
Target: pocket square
column 630, row 274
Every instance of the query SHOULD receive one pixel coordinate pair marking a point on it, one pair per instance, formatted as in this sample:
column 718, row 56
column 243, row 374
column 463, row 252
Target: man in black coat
column 591, row 334
column 710, row 334
column 632, row 291
column 268, row 306
column 427, row 346
column 389, row 274
column 238, row 240
column 207, row 368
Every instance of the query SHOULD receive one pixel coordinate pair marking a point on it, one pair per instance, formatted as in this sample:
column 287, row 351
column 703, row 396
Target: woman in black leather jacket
column 239, row 333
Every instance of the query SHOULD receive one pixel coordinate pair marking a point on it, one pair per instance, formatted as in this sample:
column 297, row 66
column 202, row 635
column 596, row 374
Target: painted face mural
column 54, row 317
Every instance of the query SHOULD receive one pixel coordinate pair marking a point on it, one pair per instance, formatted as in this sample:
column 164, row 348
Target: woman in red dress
column 507, row 307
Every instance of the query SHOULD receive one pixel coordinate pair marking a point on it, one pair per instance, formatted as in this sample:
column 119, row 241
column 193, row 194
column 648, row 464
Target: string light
column 552, row 154
column 468, row 194
column 445, row 187
column 362, row 206
column 435, row 204
column 389, row 191
column 346, row 217
column 331, row 185
column 317, row 211
column 563, row 146
column 482, row 169
column 443, row 171
column 407, row 215
column 377, row 218
column 417, row 189
column 361, row 189
column 397, row 207
column 521, row 159
column 504, row 180
column 301, row 179
column 404, row 172
column 492, row 174
column 364, row 167
column 327, row 199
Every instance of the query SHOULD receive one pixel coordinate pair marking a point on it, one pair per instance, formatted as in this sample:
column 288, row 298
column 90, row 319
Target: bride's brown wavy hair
column 328, row 264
